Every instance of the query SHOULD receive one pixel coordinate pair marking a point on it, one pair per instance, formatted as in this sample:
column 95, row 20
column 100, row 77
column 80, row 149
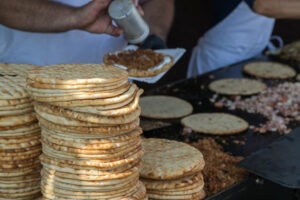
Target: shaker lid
column 119, row 9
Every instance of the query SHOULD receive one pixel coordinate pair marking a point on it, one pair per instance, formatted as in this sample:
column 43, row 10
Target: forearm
column 278, row 8
column 37, row 15
column 159, row 15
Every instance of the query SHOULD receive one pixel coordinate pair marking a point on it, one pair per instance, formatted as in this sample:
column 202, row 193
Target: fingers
column 104, row 25
column 90, row 12
column 139, row 8
column 113, row 30
column 103, row 4
column 135, row 2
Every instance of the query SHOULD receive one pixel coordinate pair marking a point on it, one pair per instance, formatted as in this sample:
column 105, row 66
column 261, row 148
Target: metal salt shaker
column 125, row 14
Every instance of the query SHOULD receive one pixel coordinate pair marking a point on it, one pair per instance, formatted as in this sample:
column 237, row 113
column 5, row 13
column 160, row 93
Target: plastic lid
column 119, row 9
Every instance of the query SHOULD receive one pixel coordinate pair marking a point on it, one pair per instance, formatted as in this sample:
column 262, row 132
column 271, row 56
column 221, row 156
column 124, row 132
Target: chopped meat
column 142, row 59
column 239, row 142
column 220, row 170
column 186, row 131
column 279, row 104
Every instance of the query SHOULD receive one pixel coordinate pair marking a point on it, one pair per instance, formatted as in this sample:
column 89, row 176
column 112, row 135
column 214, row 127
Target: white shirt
column 74, row 46
column 243, row 34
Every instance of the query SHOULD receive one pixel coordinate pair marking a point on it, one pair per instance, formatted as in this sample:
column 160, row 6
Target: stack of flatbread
column 89, row 115
column 16, row 70
column 172, row 170
column 20, row 135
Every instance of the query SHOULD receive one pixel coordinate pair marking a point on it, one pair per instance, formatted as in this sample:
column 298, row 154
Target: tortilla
column 237, row 86
column 164, row 107
column 215, row 123
column 269, row 70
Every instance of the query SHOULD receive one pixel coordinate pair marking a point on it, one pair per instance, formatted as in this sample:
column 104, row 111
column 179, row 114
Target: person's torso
column 74, row 46
column 223, row 8
column 240, row 35
column 240, row 29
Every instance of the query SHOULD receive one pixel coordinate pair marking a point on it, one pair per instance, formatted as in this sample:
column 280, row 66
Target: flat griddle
column 278, row 162
column 195, row 91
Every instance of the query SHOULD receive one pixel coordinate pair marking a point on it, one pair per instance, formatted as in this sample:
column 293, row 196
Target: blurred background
column 193, row 18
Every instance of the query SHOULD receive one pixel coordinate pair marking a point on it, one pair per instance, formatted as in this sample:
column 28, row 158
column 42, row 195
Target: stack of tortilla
column 172, row 170
column 16, row 70
column 89, row 115
column 20, row 145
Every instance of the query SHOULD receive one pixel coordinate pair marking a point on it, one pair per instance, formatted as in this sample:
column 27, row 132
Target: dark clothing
column 222, row 8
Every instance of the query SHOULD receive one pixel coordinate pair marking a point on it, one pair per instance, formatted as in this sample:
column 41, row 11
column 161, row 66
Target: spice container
column 125, row 14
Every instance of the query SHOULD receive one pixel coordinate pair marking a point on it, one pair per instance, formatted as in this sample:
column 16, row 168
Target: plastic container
column 125, row 14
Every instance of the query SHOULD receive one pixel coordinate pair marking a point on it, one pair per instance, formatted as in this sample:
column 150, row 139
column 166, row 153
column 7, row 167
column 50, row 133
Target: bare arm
column 278, row 8
column 48, row 16
column 159, row 15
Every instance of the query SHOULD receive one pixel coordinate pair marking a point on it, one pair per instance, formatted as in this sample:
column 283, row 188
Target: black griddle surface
column 278, row 162
column 195, row 91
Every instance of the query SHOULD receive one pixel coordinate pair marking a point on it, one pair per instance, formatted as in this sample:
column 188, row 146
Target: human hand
column 139, row 8
column 95, row 19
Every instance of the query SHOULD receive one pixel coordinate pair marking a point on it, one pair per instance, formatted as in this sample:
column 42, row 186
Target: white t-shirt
column 74, row 46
